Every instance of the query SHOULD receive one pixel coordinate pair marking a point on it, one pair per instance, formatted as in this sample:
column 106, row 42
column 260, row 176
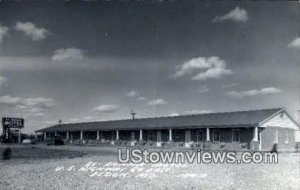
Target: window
column 286, row 136
column 216, row 136
column 176, row 134
column 200, row 136
column 281, row 115
column 235, row 135
column 151, row 136
column 276, row 136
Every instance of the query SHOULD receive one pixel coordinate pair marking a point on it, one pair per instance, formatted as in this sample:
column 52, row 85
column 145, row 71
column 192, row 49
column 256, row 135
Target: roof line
column 191, row 116
column 175, row 116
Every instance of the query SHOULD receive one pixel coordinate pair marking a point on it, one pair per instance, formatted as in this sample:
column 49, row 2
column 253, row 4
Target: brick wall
column 268, row 137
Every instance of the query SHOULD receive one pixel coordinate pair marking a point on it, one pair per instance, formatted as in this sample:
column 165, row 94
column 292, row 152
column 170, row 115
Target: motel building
column 241, row 130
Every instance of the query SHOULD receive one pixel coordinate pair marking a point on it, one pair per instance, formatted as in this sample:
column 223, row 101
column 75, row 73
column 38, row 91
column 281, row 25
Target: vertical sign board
column 8, row 123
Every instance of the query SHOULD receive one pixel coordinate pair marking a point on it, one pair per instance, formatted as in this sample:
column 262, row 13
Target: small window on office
column 286, row 136
column 281, row 115
column 276, row 136
column 216, row 136
column 235, row 135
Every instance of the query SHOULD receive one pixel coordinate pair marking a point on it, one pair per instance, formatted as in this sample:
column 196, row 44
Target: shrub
column 274, row 148
column 6, row 155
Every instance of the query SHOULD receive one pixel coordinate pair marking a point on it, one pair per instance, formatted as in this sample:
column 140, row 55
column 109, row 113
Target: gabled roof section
column 225, row 119
column 280, row 119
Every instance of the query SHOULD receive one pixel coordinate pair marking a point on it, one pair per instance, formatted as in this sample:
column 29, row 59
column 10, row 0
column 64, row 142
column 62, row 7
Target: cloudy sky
column 99, row 60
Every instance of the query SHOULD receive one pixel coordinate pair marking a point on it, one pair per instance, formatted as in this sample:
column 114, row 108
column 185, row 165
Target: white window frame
column 214, row 131
column 232, row 132
column 276, row 136
column 286, row 137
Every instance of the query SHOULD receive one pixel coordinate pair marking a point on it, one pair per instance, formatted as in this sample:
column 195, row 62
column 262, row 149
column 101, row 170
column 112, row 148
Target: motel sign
column 8, row 122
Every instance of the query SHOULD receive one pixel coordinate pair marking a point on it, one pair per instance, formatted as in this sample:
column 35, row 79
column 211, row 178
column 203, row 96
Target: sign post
column 8, row 123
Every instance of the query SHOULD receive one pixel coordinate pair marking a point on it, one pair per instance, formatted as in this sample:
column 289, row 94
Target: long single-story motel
column 242, row 130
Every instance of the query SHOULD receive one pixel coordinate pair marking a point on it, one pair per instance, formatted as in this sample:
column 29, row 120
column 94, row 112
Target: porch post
column 19, row 136
column 81, row 135
column 117, row 135
column 170, row 135
column 141, row 134
column 45, row 135
column 68, row 135
column 187, row 138
column 98, row 136
column 158, row 135
column 255, row 135
column 132, row 136
column 207, row 134
column 55, row 133
column 132, row 143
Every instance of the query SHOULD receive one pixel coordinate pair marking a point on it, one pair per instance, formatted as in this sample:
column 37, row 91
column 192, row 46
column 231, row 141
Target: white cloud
column 228, row 86
column 31, row 107
column 235, row 15
column 73, row 120
column 254, row 92
column 37, row 114
column 174, row 114
column 136, row 94
column 202, row 68
column 142, row 98
column 295, row 43
column 30, row 30
column 9, row 100
column 155, row 102
column 3, row 32
column 3, row 80
column 88, row 118
column 196, row 111
column 50, row 122
column 68, row 55
column 106, row 108
column 133, row 94
column 203, row 89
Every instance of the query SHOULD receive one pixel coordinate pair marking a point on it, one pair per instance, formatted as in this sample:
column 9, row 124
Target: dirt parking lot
column 99, row 169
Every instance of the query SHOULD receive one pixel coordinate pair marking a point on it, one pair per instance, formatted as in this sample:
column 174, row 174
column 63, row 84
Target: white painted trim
column 286, row 137
column 276, row 136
